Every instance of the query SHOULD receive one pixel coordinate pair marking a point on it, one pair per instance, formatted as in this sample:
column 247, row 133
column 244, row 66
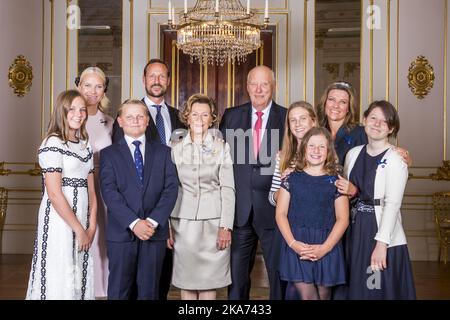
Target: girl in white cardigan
column 378, row 259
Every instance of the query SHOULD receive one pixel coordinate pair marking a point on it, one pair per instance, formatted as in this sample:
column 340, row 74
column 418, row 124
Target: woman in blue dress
column 312, row 217
column 378, row 259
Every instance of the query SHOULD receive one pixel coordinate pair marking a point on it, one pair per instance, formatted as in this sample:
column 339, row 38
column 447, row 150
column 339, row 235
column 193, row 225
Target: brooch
column 103, row 121
column 348, row 139
column 207, row 150
column 382, row 163
column 331, row 179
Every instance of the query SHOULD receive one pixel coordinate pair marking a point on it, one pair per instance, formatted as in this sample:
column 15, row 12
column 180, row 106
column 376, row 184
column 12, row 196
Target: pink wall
column 20, row 125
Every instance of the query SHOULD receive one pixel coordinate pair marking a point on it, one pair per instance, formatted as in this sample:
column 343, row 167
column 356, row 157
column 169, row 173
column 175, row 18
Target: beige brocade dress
column 206, row 199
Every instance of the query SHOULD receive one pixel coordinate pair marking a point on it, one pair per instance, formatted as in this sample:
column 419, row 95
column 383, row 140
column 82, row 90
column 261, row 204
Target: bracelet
column 291, row 243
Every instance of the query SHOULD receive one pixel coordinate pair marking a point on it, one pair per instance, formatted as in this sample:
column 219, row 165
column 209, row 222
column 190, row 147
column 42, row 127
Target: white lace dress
column 58, row 270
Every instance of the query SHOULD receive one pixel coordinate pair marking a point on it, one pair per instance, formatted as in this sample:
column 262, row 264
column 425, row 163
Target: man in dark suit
column 163, row 123
column 164, row 118
column 139, row 185
column 255, row 132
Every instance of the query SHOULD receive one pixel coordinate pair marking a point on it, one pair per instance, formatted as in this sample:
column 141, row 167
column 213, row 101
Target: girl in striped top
column 300, row 118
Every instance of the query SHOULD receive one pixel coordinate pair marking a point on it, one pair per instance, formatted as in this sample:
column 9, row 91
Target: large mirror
column 100, row 43
column 338, row 43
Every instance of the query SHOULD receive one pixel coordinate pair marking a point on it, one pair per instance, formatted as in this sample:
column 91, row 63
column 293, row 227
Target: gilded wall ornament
column 20, row 76
column 420, row 77
column 349, row 68
column 442, row 173
column 332, row 69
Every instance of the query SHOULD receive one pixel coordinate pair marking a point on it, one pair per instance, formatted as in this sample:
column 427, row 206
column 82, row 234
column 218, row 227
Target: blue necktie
column 160, row 124
column 138, row 161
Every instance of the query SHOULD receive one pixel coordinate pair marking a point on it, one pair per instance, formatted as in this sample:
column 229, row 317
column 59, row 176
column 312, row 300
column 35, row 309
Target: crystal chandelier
column 217, row 31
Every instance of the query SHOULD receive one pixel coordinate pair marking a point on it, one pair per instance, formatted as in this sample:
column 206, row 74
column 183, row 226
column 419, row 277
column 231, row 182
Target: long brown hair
column 331, row 163
column 58, row 125
column 288, row 153
column 350, row 120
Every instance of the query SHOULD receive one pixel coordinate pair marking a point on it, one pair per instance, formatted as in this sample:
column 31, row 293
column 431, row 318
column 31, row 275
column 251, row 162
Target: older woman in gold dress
column 204, row 213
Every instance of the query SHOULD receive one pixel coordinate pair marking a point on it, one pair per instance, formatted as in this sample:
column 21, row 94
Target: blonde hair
column 132, row 101
column 104, row 103
column 58, row 125
column 199, row 98
column 288, row 153
column 331, row 163
column 350, row 120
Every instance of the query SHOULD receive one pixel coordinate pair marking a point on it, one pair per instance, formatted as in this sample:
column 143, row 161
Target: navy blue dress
column 311, row 217
column 396, row 281
column 347, row 139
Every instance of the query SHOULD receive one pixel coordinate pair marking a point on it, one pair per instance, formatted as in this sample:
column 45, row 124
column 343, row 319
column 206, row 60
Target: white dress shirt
column 165, row 115
column 129, row 140
column 265, row 118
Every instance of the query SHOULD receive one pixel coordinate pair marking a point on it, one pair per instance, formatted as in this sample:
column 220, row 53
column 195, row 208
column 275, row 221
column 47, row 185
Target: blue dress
column 311, row 217
column 396, row 281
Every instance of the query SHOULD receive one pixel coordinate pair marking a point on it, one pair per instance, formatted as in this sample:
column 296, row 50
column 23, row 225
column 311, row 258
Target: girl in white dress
column 62, row 266
column 93, row 85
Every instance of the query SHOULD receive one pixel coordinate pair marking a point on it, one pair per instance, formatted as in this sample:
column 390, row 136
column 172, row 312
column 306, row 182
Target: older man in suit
column 139, row 185
column 255, row 132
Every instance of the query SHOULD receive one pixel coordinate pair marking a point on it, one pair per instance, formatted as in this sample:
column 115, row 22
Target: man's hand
column 171, row 239
column 143, row 229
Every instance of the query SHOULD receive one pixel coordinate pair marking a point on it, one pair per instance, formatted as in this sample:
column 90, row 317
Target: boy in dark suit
column 139, row 186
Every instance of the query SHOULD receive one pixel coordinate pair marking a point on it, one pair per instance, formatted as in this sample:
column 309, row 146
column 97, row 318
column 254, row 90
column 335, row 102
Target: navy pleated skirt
column 393, row 283
column 327, row 271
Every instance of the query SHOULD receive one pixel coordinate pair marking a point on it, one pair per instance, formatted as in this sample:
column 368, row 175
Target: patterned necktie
column 160, row 124
column 257, row 133
column 138, row 161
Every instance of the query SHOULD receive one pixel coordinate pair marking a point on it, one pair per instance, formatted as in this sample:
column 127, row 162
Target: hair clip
column 77, row 82
column 343, row 83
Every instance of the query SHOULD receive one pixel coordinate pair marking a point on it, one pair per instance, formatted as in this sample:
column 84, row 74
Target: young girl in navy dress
column 312, row 217
column 379, row 265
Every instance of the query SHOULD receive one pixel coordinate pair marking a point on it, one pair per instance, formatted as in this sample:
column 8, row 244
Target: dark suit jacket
column 124, row 197
column 253, row 178
column 151, row 133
